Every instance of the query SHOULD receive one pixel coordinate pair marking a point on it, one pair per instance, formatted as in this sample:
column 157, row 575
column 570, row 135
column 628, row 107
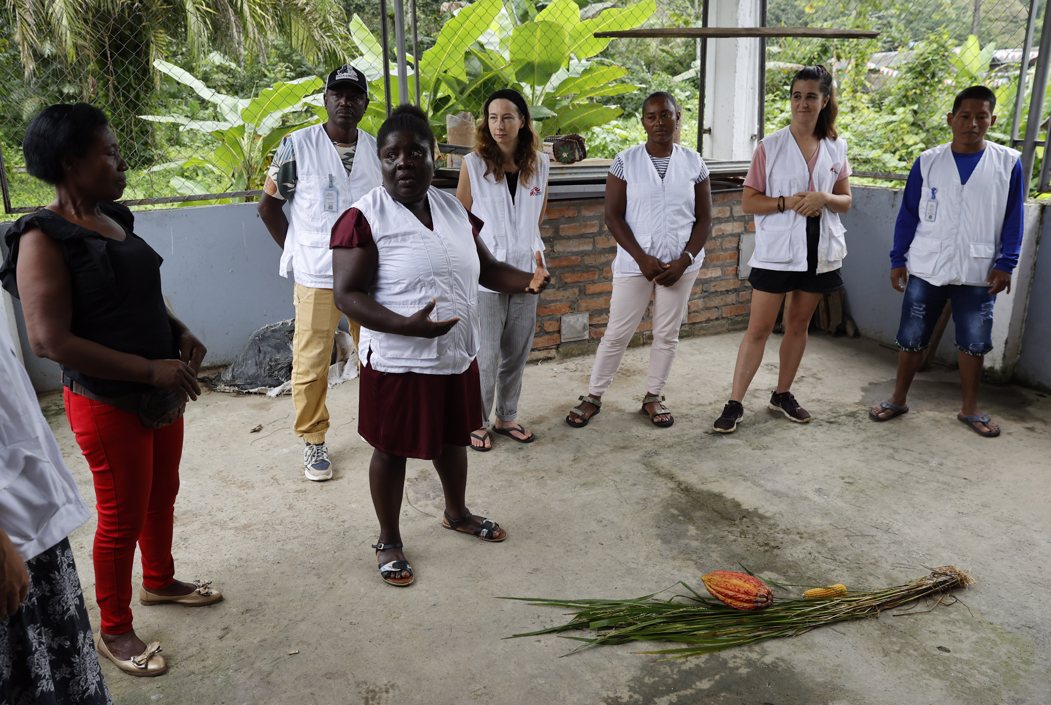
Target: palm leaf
column 702, row 625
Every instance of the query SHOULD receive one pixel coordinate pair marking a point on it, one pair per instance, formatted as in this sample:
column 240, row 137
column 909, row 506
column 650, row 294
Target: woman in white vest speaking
column 659, row 210
column 504, row 183
column 796, row 188
column 407, row 261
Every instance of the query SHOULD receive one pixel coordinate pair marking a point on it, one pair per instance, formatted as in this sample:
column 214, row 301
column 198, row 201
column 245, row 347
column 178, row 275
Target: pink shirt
column 756, row 176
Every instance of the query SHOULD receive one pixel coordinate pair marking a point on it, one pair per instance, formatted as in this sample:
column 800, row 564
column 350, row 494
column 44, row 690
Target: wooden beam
column 739, row 32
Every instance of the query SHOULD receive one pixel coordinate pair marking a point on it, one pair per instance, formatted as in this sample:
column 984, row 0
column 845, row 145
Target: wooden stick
column 739, row 32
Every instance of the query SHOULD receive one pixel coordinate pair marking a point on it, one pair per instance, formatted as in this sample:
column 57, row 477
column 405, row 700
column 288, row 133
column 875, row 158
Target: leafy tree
column 113, row 42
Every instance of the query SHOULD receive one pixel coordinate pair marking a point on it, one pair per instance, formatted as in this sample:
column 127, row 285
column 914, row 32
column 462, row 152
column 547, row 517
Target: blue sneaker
column 316, row 465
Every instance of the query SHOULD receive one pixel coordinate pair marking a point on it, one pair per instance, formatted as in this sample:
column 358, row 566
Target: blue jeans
column 972, row 316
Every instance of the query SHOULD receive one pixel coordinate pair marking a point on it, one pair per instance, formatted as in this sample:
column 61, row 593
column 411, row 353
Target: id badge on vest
column 931, row 212
column 330, row 196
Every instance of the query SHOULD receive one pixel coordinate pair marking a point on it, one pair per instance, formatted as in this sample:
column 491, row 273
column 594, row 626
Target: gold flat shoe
column 147, row 664
column 203, row 595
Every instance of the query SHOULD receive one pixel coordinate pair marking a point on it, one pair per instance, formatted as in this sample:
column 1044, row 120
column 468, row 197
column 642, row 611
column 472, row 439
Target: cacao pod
column 738, row 590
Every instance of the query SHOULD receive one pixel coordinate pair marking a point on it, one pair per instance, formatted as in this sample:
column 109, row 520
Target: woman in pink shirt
column 796, row 188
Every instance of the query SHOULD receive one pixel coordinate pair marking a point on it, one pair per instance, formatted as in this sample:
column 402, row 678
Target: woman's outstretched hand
column 541, row 277
column 420, row 325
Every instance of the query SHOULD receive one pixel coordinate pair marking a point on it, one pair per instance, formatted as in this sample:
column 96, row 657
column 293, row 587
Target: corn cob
column 823, row 593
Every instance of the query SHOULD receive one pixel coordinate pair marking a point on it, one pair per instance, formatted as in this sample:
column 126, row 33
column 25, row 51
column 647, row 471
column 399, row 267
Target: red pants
column 136, row 476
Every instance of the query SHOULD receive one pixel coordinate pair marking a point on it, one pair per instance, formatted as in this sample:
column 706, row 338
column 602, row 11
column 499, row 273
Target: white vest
column 512, row 229
column 306, row 252
column 780, row 238
column 415, row 266
column 39, row 501
column 660, row 212
column 958, row 237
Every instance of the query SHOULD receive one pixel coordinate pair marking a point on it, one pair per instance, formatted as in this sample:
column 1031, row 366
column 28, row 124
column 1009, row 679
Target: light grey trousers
column 507, row 322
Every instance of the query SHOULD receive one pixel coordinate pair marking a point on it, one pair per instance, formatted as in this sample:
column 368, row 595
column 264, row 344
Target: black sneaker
column 787, row 405
column 727, row 421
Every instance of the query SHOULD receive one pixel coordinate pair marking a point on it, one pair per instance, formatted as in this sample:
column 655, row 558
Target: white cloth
column 660, row 212
column 780, row 238
column 39, row 501
column 323, row 192
column 415, row 266
column 512, row 228
column 958, row 236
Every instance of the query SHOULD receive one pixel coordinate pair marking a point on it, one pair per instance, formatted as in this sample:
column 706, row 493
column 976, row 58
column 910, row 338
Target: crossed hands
column 180, row 375
column 663, row 273
column 807, row 203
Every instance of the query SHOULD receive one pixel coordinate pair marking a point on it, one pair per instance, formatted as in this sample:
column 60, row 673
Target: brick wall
column 580, row 252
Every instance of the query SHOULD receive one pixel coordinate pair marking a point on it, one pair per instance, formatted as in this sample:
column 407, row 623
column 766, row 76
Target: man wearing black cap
column 318, row 171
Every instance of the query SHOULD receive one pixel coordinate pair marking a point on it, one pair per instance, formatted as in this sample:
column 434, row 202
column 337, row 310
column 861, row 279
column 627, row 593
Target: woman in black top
column 91, row 295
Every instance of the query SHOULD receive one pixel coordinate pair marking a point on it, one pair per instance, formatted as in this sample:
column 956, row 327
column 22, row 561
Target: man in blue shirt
column 957, row 239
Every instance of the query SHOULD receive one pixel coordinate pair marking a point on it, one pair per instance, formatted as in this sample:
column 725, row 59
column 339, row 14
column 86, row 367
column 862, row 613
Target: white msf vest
column 512, row 229
column 660, row 212
column 958, row 237
column 415, row 266
column 39, row 501
column 306, row 252
column 780, row 238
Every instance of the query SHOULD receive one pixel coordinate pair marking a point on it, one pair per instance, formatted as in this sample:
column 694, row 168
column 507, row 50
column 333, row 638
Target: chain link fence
column 200, row 104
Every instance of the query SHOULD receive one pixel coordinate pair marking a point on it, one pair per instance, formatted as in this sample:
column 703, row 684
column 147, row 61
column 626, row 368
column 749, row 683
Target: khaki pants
column 316, row 321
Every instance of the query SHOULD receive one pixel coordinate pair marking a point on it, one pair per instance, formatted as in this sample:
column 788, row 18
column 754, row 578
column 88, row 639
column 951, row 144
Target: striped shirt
column 660, row 164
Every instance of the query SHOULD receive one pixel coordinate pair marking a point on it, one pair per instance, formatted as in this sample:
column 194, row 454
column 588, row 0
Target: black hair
column 525, row 153
column 975, row 93
column 826, row 119
column 408, row 118
column 58, row 132
column 661, row 95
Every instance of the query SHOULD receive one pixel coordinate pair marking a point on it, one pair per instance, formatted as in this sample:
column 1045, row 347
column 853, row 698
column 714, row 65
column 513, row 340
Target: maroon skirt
column 414, row 415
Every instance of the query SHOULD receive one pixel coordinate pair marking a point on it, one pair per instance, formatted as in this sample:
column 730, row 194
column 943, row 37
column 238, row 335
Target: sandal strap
column 395, row 567
column 487, row 528
column 453, row 523
column 588, row 399
column 662, row 408
column 380, row 546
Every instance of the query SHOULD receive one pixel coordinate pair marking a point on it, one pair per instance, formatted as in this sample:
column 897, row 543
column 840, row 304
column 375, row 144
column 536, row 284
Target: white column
column 732, row 84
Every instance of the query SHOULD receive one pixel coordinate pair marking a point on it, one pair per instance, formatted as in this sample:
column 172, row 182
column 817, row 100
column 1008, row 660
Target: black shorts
column 774, row 281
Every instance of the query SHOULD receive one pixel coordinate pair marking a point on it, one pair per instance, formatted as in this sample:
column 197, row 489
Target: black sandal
column 577, row 417
column 487, row 529
column 662, row 410
column 389, row 570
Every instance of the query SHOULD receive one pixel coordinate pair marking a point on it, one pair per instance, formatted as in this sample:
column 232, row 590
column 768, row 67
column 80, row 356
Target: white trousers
column 631, row 296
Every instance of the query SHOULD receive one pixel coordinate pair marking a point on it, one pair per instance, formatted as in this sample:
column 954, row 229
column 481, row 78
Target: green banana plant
column 552, row 59
column 247, row 132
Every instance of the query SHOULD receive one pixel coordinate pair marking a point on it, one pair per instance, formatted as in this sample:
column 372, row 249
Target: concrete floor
column 618, row 509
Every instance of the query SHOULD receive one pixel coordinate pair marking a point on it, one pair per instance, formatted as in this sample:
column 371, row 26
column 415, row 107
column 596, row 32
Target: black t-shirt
column 116, row 290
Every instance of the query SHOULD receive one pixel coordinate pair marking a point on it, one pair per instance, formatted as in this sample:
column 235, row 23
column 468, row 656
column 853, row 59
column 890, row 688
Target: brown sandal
column 662, row 410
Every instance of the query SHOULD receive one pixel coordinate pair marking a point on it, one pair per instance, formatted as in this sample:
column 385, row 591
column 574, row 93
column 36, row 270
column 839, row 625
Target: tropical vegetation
column 178, row 76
